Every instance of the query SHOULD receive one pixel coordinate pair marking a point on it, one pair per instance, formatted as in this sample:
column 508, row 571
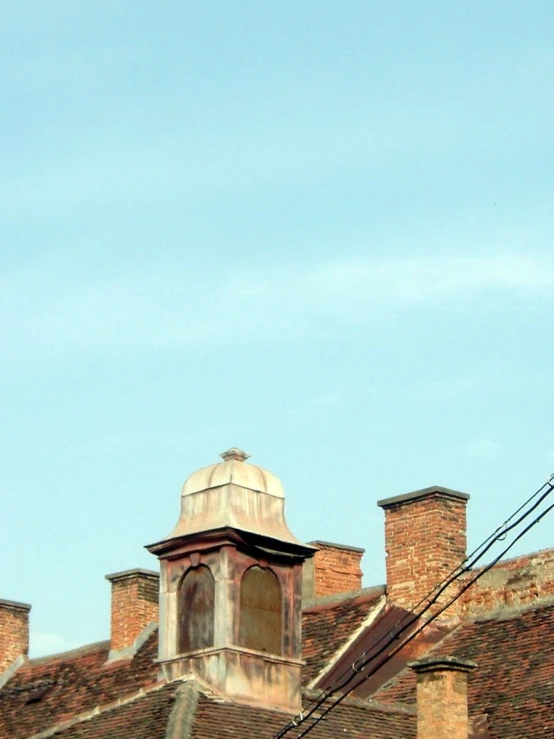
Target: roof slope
column 146, row 717
column 50, row 691
column 351, row 720
column 514, row 680
column 79, row 695
column 157, row 714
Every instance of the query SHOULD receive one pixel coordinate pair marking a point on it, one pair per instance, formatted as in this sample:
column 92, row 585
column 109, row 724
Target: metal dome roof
column 234, row 470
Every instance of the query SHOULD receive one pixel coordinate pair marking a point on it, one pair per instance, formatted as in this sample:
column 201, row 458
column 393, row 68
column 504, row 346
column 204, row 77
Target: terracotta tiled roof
column 146, row 717
column 351, row 720
column 327, row 627
column 514, row 680
column 79, row 695
column 49, row 691
column 157, row 714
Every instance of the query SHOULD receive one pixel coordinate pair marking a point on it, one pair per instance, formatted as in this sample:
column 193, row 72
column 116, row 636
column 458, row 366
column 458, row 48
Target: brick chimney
column 442, row 697
column 135, row 595
column 425, row 540
column 14, row 632
column 334, row 569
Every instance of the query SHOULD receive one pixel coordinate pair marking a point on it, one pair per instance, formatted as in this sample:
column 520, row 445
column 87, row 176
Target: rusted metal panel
column 371, row 643
column 261, row 609
column 196, row 610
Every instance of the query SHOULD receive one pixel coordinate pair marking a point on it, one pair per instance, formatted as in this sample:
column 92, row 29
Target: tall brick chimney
column 135, row 595
column 425, row 540
column 14, row 632
column 334, row 569
column 442, row 697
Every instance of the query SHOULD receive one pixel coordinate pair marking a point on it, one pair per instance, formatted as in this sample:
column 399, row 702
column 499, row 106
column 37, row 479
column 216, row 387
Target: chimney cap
column 14, row 605
column 130, row 574
column 442, row 664
column 433, row 491
column 333, row 545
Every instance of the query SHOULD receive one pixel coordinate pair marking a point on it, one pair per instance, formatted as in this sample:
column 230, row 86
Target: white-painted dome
column 234, row 470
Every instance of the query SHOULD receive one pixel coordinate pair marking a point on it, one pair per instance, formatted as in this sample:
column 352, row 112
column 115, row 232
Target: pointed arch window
column 196, row 610
column 261, row 607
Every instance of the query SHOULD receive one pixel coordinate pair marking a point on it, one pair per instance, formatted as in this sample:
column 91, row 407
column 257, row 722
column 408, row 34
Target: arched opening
column 261, row 609
column 196, row 610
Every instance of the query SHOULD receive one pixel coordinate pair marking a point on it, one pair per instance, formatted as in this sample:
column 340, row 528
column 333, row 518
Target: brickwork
column 135, row 595
column 14, row 632
column 442, row 711
column 336, row 569
column 512, row 583
column 425, row 540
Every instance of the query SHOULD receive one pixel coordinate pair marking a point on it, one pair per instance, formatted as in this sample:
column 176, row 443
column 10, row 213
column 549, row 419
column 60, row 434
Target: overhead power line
column 389, row 645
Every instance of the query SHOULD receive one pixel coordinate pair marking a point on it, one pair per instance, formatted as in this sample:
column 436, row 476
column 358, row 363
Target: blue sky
column 319, row 231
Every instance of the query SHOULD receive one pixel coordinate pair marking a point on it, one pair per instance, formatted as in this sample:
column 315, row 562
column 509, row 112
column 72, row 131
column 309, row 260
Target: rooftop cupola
column 231, row 586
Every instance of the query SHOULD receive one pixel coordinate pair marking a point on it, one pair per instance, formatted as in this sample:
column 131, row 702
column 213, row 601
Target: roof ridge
column 77, row 652
column 329, row 601
column 367, row 703
column 181, row 718
column 547, row 551
column 10, row 671
column 506, row 612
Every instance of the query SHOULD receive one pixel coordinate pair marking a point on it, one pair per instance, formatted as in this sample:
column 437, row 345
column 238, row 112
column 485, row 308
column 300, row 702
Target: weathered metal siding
column 261, row 611
column 196, row 610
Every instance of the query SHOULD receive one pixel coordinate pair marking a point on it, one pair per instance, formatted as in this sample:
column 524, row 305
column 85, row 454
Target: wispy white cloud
column 415, row 280
column 53, row 310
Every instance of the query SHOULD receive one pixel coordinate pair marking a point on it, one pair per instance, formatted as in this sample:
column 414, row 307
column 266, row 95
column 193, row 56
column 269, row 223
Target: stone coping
column 14, row 605
column 128, row 574
column 334, row 545
column 442, row 664
column 434, row 490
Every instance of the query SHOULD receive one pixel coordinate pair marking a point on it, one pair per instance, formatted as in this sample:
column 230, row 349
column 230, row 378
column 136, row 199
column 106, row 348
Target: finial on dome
column 234, row 453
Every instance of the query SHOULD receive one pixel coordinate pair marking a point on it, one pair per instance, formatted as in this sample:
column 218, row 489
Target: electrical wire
column 392, row 636
column 413, row 635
